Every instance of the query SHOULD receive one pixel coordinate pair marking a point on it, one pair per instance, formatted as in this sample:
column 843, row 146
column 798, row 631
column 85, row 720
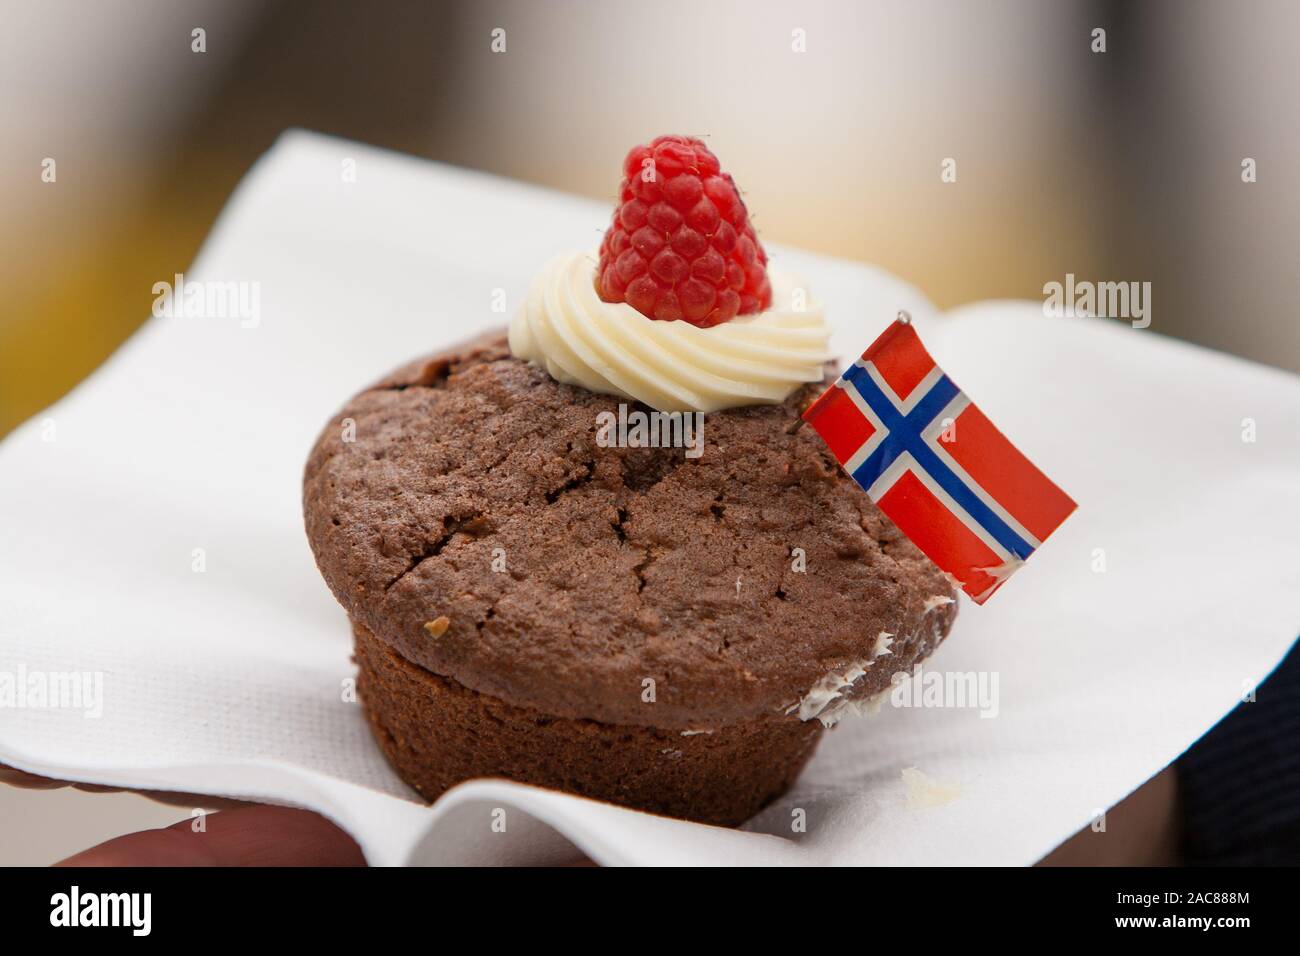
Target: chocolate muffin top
column 463, row 510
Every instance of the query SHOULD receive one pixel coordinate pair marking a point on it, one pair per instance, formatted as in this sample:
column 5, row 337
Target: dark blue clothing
column 1240, row 783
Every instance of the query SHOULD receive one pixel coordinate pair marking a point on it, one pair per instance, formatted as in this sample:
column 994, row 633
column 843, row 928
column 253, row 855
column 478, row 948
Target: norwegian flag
column 935, row 464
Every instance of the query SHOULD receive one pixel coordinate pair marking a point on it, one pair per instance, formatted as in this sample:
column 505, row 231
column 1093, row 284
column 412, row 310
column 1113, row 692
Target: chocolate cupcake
column 550, row 580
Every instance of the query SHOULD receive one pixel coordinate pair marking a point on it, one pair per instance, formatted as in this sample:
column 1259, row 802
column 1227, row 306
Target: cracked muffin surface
column 463, row 512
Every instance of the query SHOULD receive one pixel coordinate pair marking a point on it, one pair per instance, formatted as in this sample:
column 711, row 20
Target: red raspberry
column 681, row 245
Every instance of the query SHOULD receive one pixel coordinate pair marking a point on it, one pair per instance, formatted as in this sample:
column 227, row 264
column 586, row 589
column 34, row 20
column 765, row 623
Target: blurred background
column 1123, row 165
column 1115, row 166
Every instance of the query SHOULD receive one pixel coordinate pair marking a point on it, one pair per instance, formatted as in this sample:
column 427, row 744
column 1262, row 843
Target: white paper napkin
column 1139, row 624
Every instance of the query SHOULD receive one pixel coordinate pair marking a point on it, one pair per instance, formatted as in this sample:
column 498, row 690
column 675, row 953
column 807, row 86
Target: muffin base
column 437, row 733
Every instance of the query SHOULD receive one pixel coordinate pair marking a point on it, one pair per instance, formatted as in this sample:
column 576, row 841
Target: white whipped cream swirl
column 611, row 348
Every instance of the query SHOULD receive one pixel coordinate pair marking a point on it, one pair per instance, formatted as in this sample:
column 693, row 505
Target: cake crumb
column 922, row 792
